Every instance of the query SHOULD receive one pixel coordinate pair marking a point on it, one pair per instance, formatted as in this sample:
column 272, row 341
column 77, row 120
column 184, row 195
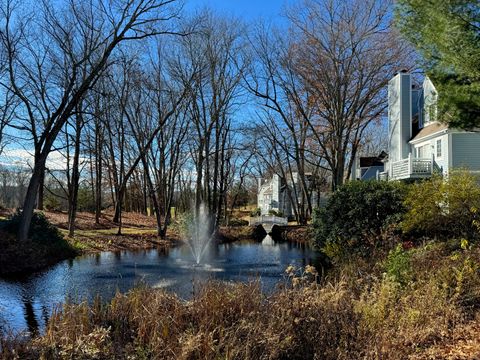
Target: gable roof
column 430, row 129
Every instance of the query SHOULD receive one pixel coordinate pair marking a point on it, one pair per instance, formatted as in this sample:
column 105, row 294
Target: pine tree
column 447, row 35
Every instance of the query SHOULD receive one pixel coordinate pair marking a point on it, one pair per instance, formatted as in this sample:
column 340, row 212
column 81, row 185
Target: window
column 422, row 152
column 430, row 107
column 439, row 148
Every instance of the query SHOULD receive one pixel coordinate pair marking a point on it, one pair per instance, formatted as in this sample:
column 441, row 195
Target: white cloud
column 24, row 158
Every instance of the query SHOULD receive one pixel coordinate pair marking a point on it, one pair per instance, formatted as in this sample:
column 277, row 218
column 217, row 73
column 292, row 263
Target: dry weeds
column 434, row 316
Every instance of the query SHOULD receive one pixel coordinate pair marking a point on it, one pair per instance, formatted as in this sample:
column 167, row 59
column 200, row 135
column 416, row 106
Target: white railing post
column 410, row 164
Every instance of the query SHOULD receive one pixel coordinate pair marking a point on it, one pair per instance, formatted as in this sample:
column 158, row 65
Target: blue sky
column 246, row 9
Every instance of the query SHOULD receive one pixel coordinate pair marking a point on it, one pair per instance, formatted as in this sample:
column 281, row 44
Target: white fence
column 411, row 168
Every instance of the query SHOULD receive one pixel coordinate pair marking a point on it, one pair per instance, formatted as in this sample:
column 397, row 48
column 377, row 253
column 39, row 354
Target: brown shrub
column 372, row 317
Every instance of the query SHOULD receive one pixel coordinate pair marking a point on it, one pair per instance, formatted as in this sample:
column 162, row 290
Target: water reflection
column 30, row 317
column 268, row 241
column 25, row 304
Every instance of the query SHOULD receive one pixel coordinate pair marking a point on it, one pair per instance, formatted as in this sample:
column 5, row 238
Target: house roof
column 367, row 161
column 429, row 130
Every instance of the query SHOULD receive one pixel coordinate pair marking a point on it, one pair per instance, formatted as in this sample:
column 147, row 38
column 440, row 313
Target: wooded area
column 151, row 108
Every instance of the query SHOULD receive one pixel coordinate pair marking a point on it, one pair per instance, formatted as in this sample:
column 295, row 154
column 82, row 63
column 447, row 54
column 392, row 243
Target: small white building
column 273, row 194
column 418, row 143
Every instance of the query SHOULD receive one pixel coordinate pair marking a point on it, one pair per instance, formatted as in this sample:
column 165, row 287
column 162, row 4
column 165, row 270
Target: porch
column 412, row 168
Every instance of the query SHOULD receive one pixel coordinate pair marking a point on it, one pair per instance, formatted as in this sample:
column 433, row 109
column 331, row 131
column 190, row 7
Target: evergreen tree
column 447, row 35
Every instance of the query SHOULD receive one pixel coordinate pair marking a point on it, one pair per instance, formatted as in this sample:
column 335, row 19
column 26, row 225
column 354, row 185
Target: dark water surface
column 26, row 303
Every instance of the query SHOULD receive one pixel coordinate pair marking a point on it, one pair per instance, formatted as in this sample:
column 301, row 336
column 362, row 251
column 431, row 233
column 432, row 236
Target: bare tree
column 330, row 74
column 74, row 177
column 141, row 119
column 7, row 111
column 287, row 142
column 95, row 139
column 289, row 152
column 55, row 58
column 167, row 156
column 214, row 53
column 345, row 55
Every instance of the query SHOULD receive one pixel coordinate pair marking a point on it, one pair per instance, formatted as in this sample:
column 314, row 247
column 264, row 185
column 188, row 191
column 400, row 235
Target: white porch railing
column 412, row 168
column 382, row 176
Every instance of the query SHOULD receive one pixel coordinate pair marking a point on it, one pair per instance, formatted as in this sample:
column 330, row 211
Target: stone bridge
column 268, row 221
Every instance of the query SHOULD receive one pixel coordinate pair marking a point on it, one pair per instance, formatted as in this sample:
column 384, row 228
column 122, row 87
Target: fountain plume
column 199, row 233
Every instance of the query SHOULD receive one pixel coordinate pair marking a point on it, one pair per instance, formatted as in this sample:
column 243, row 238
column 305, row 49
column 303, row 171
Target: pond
column 25, row 303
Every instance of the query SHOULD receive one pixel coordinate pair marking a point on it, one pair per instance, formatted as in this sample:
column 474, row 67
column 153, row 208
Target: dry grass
column 300, row 234
column 138, row 232
column 86, row 220
column 350, row 316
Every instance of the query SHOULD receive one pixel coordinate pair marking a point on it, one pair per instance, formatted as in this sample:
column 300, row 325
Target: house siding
column 430, row 99
column 399, row 116
column 273, row 194
column 466, row 151
column 405, row 114
column 443, row 160
column 431, row 151
column 406, row 105
column 394, row 118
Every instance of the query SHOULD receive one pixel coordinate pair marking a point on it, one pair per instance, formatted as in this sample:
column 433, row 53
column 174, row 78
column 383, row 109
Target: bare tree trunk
column 153, row 197
column 41, row 191
column 73, row 189
column 198, row 187
column 31, row 197
column 98, row 173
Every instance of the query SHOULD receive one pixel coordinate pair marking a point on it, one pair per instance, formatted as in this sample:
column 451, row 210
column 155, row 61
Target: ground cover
column 410, row 303
column 138, row 232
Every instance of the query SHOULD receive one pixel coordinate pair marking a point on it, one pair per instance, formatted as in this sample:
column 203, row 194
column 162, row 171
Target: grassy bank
column 228, row 234
column 50, row 243
column 138, row 232
column 300, row 234
column 420, row 303
column 45, row 246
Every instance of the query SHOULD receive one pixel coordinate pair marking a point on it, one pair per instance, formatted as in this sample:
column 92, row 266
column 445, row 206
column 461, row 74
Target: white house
column 270, row 195
column 418, row 144
column 273, row 194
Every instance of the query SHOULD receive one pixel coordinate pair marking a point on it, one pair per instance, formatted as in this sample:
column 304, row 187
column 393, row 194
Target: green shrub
column 398, row 265
column 356, row 214
column 443, row 207
column 51, row 202
column 41, row 230
column 237, row 222
column 275, row 213
column 44, row 247
column 256, row 212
